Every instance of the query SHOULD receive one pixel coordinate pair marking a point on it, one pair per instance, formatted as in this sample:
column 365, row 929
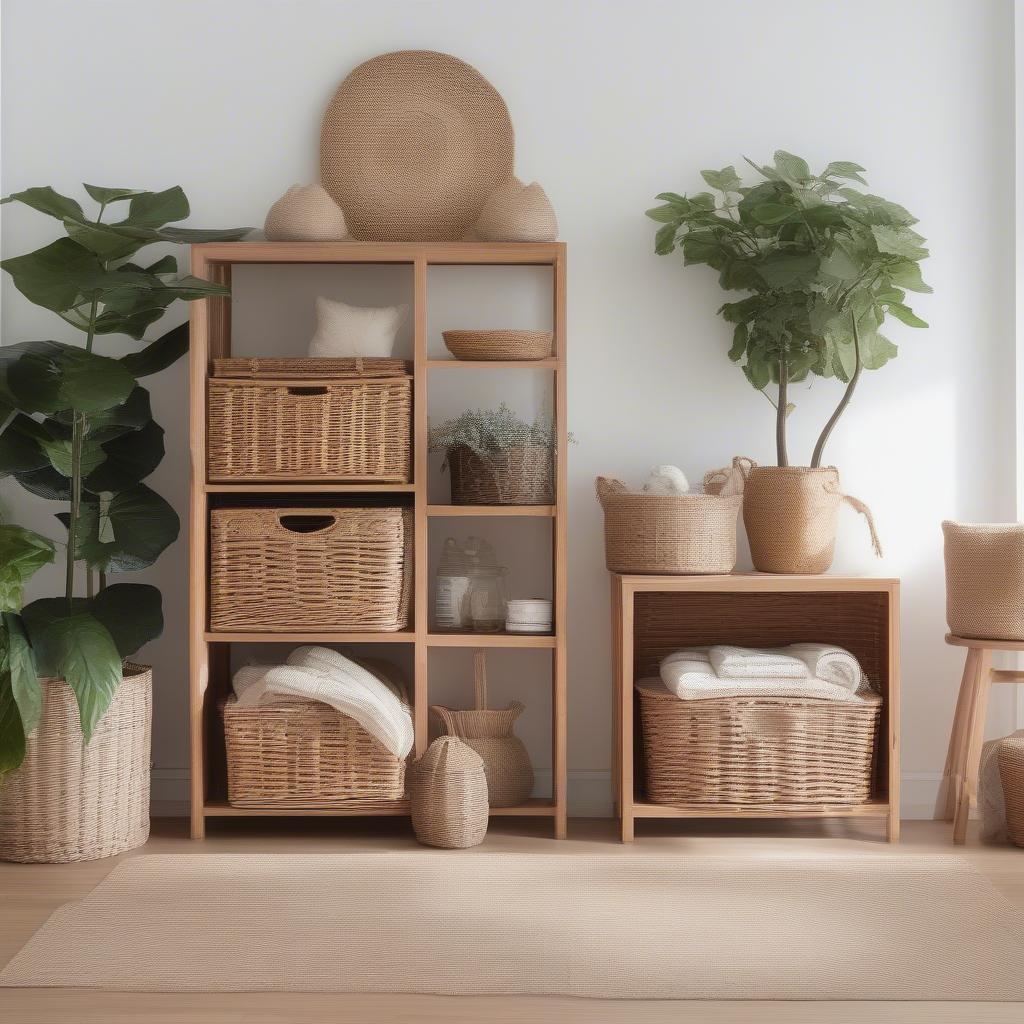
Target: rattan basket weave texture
column 351, row 426
column 70, row 800
column 686, row 534
column 278, row 569
column 756, row 750
column 302, row 753
column 522, row 475
column 1011, row 772
column 491, row 345
column 448, row 795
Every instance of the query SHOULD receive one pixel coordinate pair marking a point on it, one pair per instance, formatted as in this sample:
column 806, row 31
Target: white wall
column 612, row 103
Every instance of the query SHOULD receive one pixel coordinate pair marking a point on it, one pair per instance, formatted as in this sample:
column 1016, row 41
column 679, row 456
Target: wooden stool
column 959, row 789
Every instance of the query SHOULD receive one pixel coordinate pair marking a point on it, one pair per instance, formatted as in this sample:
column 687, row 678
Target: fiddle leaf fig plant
column 76, row 428
column 823, row 262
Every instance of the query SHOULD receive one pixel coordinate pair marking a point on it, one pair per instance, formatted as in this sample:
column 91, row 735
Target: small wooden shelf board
column 653, row 615
column 210, row 651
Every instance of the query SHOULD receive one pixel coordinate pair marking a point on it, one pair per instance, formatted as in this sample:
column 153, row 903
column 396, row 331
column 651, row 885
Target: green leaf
column 790, row 166
column 154, row 209
column 725, row 180
column 758, row 372
column 739, row 343
column 772, row 213
column 126, row 459
column 841, row 263
column 876, row 350
column 666, row 214
column 140, row 523
column 899, row 241
column 102, row 426
column 110, row 195
column 12, row 734
column 844, row 169
column 702, row 201
column 45, row 200
column 132, row 613
column 22, row 554
column 187, row 236
column 664, row 240
column 21, row 446
column 61, row 455
column 102, row 239
column 25, row 688
column 907, row 275
column 49, row 277
column 66, row 377
column 159, row 354
column 906, row 314
column 781, row 269
column 45, row 483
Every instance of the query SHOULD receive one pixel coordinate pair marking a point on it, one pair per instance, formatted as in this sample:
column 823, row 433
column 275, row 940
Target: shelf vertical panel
column 420, row 543
column 560, row 666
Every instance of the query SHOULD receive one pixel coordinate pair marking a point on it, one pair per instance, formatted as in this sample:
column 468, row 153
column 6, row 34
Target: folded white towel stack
column 833, row 664
column 757, row 663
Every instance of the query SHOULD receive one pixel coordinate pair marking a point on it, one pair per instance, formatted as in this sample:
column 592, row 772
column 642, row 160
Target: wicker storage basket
column 1011, row 772
column 522, row 475
column 448, row 795
column 985, row 580
column 301, row 753
column 341, row 419
column 275, row 570
column 688, row 534
column 489, row 345
column 71, row 800
column 756, row 750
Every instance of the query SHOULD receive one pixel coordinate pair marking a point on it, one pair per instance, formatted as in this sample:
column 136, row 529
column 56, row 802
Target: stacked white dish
column 528, row 615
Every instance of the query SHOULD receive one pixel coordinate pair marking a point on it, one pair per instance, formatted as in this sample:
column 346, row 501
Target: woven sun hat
column 412, row 145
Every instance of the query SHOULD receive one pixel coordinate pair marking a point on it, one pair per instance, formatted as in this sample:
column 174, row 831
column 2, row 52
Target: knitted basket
column 1011, row 771
column 985, row 580
column 522, row 475
column 448, row 795
column 71, row 800
column 489, row 733
column 501, row 345
column 517, row 213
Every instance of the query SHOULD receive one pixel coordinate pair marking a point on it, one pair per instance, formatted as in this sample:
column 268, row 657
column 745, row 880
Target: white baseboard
column 589, row 793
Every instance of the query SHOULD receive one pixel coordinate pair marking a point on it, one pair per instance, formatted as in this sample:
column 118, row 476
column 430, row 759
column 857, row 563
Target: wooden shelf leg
column 974, row 736
column 625, row 738
column 952, row 774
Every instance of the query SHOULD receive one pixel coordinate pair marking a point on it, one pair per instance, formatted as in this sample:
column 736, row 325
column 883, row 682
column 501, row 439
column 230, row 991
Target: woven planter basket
column 686, row 534
column 304, row 754
column 276, row 570
column 522, row 475
column 1011, row 772
column 448, row 795
column 309, row 429
column 489, row 733
column 985, row 580
column 756, row 750
column 790, row 514
column 70, row 800
column 491, row 345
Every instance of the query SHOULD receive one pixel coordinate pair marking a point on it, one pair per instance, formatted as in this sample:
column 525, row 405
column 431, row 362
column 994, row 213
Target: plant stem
column 780, row 412
column 845, row 400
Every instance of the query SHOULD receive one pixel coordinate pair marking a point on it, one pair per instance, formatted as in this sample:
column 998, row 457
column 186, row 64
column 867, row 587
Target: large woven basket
column 756, row 750
column 523, row 475
column 281, row 569
column 448, row 795
column 348, row 426
column 491, row 345
column 985, row 580
column 70, row 800
column 302, row 753
column 686, row 534
column 1011, row 772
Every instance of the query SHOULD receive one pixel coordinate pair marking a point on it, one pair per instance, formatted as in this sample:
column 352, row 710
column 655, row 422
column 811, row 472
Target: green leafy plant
column 76, row 427
column 489, row 431
column 824, row 263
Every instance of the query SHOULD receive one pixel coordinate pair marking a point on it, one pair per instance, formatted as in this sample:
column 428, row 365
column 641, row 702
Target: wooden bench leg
column 974, row 737
column 949, row 792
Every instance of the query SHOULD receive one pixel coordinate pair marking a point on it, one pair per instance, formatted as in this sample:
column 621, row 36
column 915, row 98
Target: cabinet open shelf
column 210, row 650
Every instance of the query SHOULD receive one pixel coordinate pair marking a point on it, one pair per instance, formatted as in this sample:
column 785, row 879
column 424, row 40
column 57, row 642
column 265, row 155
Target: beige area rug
column 652, row 927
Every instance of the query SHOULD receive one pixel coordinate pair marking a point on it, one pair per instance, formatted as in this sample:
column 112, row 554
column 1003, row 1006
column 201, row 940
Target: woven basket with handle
column 489, row 733
column 521, row 475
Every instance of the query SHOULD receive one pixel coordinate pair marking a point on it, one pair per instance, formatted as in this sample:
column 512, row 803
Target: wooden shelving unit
column 209, row 651
column 655, row 615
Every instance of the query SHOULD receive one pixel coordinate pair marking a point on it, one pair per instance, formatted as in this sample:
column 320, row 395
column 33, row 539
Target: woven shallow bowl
column 70, row 800
column 302, row 753
column 756, row 750
column 489, row 345
column 412, row 145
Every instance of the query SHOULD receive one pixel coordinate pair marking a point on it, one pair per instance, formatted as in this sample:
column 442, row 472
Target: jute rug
column 603, row 926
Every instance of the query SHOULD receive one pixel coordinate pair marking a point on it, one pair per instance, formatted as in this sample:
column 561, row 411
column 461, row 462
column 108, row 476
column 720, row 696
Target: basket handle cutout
column 308, row 391
column 306, row 523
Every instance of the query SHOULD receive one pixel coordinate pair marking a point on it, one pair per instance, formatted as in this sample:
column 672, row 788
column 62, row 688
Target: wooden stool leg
column 949, row 790
column 975, row 734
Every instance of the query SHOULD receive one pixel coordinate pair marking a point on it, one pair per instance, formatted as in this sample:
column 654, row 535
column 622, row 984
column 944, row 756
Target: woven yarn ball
column 305, row 213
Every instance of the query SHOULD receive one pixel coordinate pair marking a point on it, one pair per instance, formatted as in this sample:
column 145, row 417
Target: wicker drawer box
column 301, row 753
column 346, row 420
column 278, row 570
column 756, row 750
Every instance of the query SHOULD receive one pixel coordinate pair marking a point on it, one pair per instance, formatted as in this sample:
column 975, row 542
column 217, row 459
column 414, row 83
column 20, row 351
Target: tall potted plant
column 824, row 264
column 76, row 428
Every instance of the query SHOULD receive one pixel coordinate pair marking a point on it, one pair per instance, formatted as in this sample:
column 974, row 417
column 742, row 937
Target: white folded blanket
column 757, row 663
column 319, row 673
column 833, row 664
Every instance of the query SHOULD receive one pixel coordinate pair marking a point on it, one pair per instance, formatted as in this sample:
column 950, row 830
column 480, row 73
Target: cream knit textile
column 344, row 331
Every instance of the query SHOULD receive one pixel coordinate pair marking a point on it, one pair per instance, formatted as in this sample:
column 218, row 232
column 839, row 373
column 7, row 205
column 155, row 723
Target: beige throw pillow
column 344, row 331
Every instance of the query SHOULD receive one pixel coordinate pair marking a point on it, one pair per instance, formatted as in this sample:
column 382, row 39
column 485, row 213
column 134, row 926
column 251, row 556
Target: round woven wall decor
column 412, row 145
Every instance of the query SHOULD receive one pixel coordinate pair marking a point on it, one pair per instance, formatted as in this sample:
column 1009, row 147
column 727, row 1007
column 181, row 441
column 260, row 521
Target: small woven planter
column 349, row 422
column 489, row 733
column 1011, row 772
column 275, row 570
column 490, row 345
column 448, row 795
column 70, row 800
column 756, row 750
column 302, row 753
column 522, row 475
column 985, row 580
column 686, row 534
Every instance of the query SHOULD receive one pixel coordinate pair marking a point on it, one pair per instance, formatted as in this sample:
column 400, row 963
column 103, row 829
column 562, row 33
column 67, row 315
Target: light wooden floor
column 29, row 893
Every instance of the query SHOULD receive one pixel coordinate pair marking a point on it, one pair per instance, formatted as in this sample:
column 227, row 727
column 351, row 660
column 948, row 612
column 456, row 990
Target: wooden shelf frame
column 209, row 651
column 637, row 646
